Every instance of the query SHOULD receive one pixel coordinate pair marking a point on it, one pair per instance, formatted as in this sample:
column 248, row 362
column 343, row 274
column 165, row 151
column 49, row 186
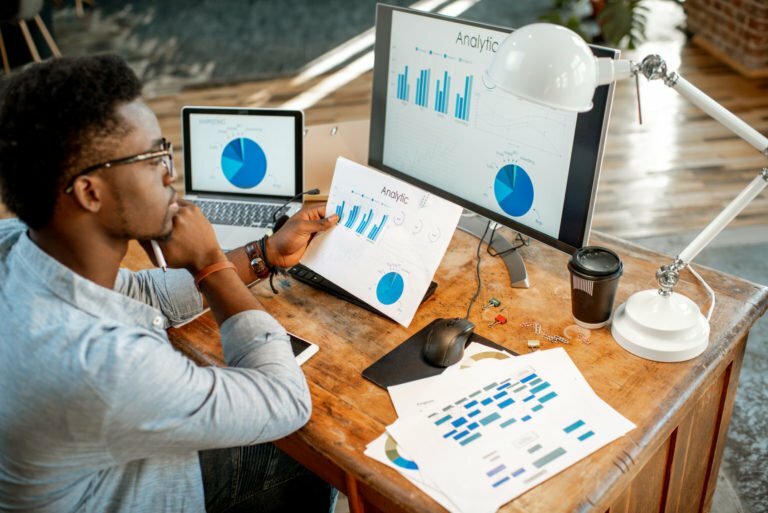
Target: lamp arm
column 727, row 215
column 654, row 67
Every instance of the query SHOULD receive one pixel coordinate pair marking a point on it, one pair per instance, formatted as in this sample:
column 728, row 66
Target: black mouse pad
column 405, row 363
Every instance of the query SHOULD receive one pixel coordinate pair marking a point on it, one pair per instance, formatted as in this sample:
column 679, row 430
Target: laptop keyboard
column 232, row 213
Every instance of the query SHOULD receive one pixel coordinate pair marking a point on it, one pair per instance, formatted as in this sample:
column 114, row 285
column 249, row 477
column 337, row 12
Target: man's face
column 141, row 203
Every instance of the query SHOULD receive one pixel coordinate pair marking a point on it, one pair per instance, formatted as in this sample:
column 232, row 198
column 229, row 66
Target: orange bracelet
column 213, row 268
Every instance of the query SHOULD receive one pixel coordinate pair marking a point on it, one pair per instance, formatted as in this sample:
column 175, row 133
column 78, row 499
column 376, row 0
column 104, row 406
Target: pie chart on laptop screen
column 244, row 163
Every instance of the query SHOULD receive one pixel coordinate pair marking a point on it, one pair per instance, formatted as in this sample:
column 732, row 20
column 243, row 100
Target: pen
column 159, row 256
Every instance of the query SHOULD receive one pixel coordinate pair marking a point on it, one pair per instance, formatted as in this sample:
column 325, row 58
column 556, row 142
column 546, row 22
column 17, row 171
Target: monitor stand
column 475, row 224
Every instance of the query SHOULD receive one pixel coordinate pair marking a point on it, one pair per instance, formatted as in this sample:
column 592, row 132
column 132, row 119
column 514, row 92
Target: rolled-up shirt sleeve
column 172, row 292
column 162, row 403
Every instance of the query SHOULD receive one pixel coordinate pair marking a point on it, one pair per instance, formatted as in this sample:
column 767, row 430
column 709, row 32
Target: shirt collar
column 81, row 292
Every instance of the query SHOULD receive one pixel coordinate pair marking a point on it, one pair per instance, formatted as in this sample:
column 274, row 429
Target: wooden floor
column 671, row 175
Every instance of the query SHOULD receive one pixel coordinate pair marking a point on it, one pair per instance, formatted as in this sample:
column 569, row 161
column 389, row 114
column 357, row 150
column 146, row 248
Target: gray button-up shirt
column 99, row 413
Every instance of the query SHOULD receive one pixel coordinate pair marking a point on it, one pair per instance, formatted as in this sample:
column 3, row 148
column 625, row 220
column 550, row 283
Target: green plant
column 622, row 20
column 614, row 22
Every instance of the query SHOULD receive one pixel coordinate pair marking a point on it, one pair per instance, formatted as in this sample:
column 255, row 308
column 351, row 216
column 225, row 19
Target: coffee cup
column 595, row 273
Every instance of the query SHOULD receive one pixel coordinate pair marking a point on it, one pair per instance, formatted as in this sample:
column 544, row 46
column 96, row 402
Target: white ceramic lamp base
column 661, row 328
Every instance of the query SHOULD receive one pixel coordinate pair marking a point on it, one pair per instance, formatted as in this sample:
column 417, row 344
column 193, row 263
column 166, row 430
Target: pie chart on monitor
column 513, row 190
column 244, row 163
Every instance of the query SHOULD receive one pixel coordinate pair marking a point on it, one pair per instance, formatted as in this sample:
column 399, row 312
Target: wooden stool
column 79, row 10
column 29, row 10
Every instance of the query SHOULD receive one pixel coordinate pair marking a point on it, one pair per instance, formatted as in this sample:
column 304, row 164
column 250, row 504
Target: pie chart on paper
column 390, row 288
column 390, row 448
column 513, row 190
column 243, row 163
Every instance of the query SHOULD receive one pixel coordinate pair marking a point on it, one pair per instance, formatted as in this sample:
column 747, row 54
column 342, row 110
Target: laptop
column 243, row 168
column 324, row 144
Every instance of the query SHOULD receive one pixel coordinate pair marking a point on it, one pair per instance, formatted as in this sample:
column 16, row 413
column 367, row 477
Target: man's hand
column 192, row 244
column 287, row 245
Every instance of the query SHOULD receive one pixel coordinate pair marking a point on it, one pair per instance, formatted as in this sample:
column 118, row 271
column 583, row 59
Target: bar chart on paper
column 508, row 405
column 351, row 219
column 510, row 427
column 388, row 242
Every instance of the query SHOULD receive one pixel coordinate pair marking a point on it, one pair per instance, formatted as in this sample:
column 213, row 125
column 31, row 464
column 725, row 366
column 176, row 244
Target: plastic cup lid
column 595, row 261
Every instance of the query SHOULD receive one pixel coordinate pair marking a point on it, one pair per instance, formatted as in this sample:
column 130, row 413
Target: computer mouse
column 446, row 340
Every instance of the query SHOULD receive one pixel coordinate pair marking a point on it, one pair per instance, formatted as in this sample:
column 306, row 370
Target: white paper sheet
column 385, row 450
column 494, row 432
column 388, row 243
column 426, row 390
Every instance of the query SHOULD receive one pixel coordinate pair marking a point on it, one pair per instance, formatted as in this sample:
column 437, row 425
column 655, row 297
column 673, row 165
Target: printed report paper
column 389, row 241
column 493, row 432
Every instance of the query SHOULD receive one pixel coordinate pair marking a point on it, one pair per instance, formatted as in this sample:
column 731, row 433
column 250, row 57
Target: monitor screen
column 435, row 124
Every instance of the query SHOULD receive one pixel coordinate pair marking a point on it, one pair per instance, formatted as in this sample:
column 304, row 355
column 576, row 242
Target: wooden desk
column 668, row 463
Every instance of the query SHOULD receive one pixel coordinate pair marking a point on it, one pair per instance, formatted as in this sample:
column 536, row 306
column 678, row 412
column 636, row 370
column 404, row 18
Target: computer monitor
column 435, row 124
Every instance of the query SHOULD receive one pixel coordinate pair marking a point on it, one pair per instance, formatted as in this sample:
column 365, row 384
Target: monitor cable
column 477, row 271
column 520, row 242
column 279, row 222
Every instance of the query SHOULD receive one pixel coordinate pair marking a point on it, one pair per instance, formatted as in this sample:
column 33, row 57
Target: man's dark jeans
column 261, row 478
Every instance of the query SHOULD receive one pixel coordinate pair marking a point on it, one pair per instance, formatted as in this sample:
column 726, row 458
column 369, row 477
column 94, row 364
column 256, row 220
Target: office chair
column 29, row 10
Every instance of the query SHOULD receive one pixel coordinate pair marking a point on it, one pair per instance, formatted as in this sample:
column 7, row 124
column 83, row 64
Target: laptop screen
column 242, row 152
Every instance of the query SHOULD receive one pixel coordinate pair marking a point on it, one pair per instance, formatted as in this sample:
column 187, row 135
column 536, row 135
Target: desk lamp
column 552, row 66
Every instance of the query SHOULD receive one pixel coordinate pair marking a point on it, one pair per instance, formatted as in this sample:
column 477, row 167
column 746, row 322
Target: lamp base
column 661, row 328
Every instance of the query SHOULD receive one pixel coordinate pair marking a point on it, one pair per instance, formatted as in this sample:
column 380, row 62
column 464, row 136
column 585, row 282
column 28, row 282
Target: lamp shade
column 546, row 64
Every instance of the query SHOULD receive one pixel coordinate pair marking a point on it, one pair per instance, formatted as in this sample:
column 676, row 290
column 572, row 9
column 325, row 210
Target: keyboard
column 234, row 213
column 310, row 277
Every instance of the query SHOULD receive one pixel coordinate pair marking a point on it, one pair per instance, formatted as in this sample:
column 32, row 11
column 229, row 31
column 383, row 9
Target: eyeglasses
column 165, row 153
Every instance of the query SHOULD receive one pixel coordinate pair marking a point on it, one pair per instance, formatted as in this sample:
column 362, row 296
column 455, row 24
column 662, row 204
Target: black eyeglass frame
column 166, row 150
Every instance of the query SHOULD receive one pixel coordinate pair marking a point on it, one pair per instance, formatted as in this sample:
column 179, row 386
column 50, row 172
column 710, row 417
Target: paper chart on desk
column 403, row 395
column 385, row 450
column 389, row 241
column 499, row 431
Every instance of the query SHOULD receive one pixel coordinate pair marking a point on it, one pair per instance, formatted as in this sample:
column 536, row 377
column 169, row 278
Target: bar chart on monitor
column 437, row 82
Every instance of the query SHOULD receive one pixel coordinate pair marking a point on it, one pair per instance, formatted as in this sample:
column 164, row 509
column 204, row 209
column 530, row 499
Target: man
column 97, row 411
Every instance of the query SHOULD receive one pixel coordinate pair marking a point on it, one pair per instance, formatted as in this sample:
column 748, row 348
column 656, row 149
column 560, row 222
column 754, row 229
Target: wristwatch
column 256, row 260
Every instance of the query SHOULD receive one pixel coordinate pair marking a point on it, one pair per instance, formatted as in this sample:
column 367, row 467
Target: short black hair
column 50, row 115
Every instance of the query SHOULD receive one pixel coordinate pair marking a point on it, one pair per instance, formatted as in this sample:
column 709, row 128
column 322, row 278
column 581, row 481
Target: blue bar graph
column 470, row 439
column 422, row 88
column 440, row 90
column 352, row 216
column 403, row 89
column 363, row 226
column 377, row 228
column 365, row 222
column 442, row 95
column 461, row 111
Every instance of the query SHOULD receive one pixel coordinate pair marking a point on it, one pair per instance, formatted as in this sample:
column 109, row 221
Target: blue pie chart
column 244, row 163
column 513, row 190
column 390, row 288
